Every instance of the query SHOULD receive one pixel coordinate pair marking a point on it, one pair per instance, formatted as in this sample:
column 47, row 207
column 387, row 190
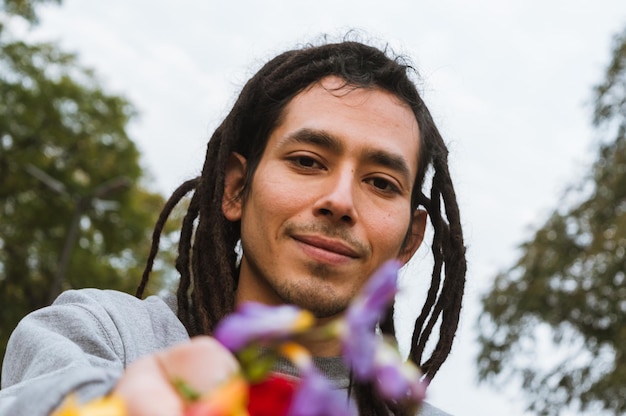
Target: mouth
column 326, row 250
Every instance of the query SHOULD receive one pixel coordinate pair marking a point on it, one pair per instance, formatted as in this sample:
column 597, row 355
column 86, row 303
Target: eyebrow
column 390, row 161
column 319, row 138
column 330, row 142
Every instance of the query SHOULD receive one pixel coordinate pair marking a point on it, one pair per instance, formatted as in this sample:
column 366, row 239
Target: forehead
column 359, row 117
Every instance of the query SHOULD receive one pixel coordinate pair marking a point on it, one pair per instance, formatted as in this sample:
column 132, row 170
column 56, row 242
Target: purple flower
column 358, row 338
column 316, row 396
column 369, row 356
column 395, row 379
column 358, row 349
column 368, row 306
column 255, row 322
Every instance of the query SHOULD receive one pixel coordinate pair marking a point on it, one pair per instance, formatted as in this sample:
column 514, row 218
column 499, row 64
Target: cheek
column 282, row 199
column 274, row 198
column 389, row 232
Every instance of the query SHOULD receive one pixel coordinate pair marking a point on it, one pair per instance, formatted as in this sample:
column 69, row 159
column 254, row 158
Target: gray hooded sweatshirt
column 85, row 340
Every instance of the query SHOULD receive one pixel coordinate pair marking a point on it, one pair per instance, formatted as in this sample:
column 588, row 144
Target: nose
column 337, row 198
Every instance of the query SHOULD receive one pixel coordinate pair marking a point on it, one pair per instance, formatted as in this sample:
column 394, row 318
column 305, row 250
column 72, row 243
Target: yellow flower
column 229, row 399
column 104, row 406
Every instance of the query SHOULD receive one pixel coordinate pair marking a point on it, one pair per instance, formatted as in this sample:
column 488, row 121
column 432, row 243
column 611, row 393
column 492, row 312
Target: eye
column 305, row 162
column 384, row 185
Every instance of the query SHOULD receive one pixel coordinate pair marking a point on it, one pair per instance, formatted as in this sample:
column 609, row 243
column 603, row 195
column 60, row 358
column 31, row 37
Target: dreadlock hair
column 207, row 259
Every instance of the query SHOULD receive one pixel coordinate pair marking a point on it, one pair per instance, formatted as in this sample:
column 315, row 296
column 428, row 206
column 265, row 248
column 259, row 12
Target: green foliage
column 23, row 8
column 568, row 288
column 62, row 141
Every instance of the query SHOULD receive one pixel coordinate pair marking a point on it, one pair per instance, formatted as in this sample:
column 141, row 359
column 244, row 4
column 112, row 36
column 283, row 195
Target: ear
column 234, row 181
column 414, row 237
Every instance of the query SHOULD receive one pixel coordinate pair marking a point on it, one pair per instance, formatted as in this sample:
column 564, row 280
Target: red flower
column 272, row 396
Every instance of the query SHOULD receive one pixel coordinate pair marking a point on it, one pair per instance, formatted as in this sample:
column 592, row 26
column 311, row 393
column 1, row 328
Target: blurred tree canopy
column 72, row 198
column 23, row 8
column 556, row 320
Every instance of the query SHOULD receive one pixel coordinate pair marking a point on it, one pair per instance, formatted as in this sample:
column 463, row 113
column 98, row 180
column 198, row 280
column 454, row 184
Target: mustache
column 328, row 231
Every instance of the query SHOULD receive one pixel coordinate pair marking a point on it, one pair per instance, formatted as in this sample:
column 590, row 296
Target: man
column 318, row 173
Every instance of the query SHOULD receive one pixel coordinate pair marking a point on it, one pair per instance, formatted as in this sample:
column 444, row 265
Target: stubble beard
column 314, row 294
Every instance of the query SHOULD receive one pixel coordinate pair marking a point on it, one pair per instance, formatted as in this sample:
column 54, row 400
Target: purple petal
column 389, row 384
column 395, row 379
column 382, row 286
column 255, row 322
column 358, row 352
column 369, row 305
column 358, row 338
column 316, row 396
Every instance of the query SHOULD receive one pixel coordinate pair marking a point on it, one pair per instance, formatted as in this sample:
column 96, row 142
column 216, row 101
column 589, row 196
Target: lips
column 327, row 248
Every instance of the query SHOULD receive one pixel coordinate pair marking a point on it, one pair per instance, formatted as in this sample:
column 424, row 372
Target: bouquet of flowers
column 258, row 334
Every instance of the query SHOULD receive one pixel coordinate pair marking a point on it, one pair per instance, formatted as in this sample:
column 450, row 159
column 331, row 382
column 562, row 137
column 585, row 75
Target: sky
column 509, row 84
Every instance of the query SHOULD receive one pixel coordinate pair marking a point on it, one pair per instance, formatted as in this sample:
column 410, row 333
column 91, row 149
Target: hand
column 147, row 387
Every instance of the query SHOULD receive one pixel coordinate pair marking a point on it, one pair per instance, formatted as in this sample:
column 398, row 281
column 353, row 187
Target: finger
column 147, row 391
column 202, row 364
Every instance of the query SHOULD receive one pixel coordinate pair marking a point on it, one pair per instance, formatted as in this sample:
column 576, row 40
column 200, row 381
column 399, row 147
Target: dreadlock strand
column 171, row 203
column 387, row 325
column 213, row 262
column 368, row 402
column 453, row 252
column 183, row 265
column 421, row 334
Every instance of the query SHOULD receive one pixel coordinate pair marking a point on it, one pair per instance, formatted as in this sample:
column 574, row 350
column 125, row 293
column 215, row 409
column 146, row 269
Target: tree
column 74, row 208
column 567, row 292
column 23, row 8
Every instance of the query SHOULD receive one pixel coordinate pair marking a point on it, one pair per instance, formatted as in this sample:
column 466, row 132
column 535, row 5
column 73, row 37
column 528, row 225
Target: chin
column 323, row 308
column 318, row 295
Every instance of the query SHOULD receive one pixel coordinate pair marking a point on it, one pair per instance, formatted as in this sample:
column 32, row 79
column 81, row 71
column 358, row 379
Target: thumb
column 203, row 363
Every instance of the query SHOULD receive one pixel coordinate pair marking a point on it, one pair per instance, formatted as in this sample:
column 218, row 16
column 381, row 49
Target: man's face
column 330, row 199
